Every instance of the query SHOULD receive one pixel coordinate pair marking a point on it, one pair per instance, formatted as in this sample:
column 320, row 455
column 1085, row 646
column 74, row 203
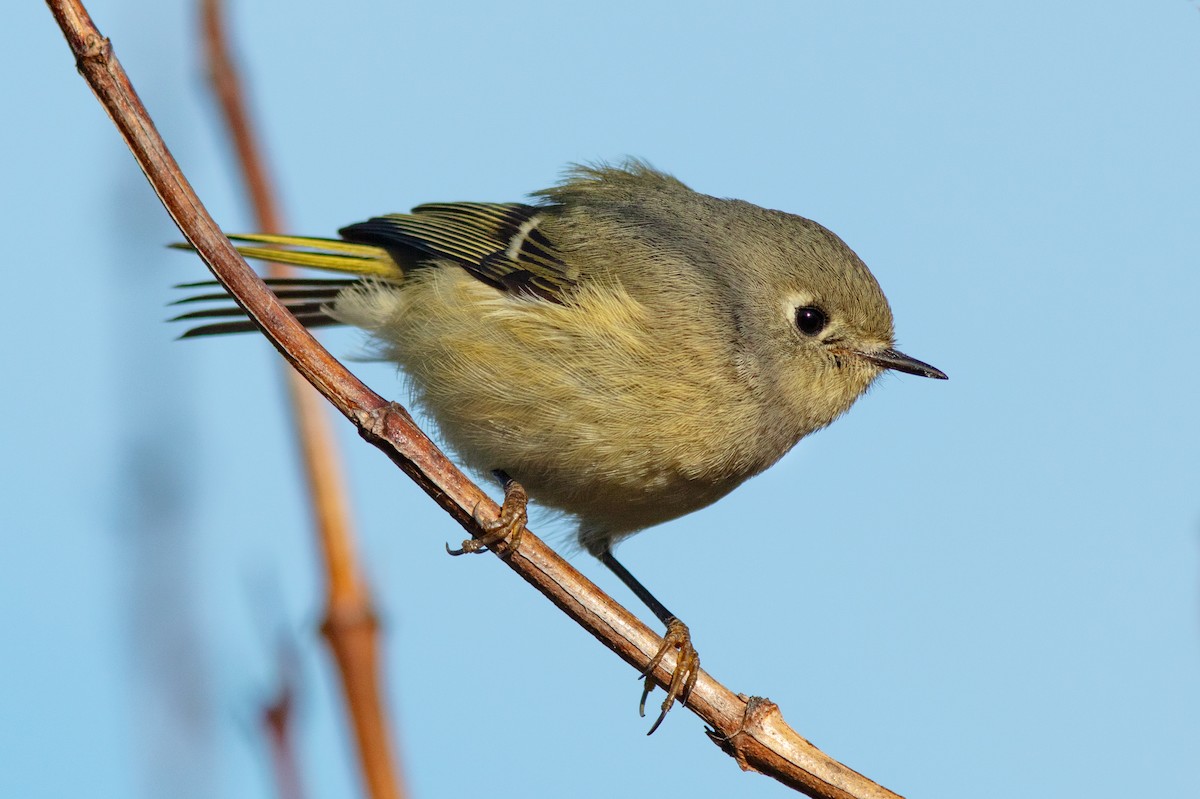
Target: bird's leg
column 677, row 637
column 503, row 535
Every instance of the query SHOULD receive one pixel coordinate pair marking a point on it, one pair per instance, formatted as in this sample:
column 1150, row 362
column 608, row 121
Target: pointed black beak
column 892, row 359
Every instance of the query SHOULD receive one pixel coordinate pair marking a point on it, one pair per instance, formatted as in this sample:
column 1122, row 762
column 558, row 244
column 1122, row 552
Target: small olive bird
column 623, row 348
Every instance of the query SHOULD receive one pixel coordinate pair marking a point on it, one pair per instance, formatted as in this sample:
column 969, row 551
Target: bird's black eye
column 811, row 320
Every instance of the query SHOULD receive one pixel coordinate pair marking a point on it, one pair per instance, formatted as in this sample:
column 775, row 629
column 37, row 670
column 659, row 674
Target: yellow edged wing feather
column 499, row 243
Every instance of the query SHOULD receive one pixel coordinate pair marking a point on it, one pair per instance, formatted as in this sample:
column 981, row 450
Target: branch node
column 95, row 48
column 758, row 710
column 345, row 619
column 373, row 423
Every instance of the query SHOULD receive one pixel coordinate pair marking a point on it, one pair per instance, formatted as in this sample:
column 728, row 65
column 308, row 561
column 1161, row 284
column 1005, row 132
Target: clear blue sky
column 986, row 587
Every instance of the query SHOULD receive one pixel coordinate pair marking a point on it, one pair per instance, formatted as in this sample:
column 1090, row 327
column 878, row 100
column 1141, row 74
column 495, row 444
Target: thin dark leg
column 639, row 590
column 677, row 638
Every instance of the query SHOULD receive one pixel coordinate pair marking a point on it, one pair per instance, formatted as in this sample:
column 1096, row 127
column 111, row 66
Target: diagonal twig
column 752, row 730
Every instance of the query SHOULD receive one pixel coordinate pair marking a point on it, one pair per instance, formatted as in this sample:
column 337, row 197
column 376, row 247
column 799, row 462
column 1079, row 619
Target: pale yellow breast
column 599, row 407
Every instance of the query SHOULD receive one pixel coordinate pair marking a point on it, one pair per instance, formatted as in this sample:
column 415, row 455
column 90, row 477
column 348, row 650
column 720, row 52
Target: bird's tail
column 307, row 298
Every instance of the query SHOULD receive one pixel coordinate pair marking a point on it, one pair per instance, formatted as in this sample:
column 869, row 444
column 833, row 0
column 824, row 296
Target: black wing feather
column 498, row 243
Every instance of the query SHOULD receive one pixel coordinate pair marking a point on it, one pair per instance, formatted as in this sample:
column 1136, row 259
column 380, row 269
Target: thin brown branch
column 751, row 730
column 350, row 626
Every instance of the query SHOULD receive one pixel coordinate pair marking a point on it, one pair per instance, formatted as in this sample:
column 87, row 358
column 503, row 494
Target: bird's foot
column 502, row 535
column 683, row 678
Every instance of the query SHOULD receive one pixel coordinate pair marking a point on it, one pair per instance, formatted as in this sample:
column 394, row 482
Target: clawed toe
column 683, row 678
column 503, row 535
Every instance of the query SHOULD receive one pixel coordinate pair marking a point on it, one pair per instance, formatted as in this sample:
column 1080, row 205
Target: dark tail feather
column 246, row 326
column 298, row 309
column 278, row 281
column 307, row 298
column 286, row 294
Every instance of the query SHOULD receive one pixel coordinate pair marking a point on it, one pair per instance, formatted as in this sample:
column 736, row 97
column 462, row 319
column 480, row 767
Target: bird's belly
column 617, row 478
column 618, row 506
column 597, row 408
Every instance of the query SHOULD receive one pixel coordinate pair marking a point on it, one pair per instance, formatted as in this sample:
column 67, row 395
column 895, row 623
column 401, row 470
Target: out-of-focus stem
column 350, row 625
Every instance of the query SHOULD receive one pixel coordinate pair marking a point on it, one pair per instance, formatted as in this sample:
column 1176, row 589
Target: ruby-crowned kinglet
column 626, row 349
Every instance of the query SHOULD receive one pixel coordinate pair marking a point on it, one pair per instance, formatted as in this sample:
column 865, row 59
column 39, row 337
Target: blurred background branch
column 350, row 622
